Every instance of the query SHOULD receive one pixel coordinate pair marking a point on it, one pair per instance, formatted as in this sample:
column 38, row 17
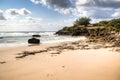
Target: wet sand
column 72, row 63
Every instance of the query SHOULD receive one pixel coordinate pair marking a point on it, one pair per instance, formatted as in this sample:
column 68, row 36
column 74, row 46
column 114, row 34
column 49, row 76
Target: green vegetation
column 103, row 23
column 82, row 21
column 113, row 24
column 82, row 26
column 103, row 31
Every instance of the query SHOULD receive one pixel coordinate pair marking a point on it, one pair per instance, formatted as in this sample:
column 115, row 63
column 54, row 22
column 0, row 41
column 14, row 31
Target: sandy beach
column 61, row 61
column 59, row 39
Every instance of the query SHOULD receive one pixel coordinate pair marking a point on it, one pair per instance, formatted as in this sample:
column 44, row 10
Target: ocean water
column 11, row 39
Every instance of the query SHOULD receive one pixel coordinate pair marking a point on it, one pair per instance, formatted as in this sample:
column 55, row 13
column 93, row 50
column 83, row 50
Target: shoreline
column 20, row 44
column 57, row 48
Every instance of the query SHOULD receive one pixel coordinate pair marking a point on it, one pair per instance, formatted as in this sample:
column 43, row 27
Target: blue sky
column 52, row 15
column 38, row 10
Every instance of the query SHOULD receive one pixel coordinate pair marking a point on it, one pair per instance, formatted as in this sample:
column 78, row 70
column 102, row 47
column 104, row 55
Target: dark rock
column 117, row 42
column 78, row 32
column 34, row 41
column 27, row 53
column 2, row 62
column 56, row 53
column 62, row 32
column 1, row 37
column 36, row 35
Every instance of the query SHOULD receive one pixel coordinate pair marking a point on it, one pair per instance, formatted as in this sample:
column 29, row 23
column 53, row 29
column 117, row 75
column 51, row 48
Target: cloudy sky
column 51, row 15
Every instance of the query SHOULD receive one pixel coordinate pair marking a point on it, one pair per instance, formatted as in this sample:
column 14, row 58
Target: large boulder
column 34, row 41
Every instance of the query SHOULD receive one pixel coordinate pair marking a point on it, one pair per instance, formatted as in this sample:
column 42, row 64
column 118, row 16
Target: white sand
column 93, row 64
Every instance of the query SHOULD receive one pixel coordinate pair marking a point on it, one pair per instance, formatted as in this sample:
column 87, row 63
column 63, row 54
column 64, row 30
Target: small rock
column 3, row 62
column 34, row 41
column 63, row 66
column 36, row 35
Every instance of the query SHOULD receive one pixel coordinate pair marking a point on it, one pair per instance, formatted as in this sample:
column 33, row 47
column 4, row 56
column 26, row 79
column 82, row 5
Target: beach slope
column 63, row 61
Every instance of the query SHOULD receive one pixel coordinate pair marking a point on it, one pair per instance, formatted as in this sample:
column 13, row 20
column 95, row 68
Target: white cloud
column 61, row 23
column 15, row 12
column 97, row 9
column 11, row 14
column 36, row 1
column 30, row 20
column 100, row 3
column 116, row 14
column 64, row 11
column 24, row 11
column 18, row 20
column 81, row 2
column 98, row 20
column 2, row 17
column 62, row 6
column 93, row 12
column 57, row 3
column 24, row 24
